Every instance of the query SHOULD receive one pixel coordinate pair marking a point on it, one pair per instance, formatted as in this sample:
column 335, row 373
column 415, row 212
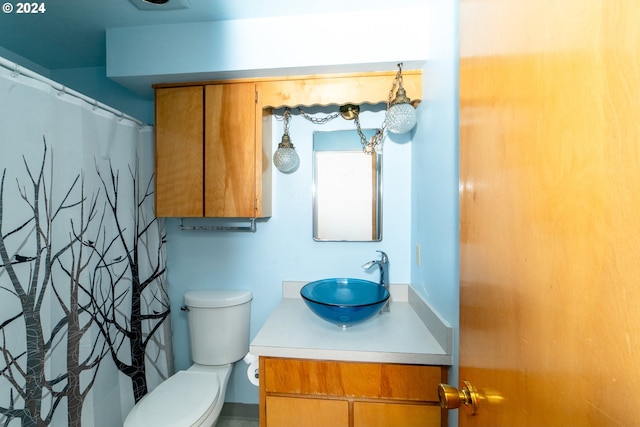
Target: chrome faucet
column 383, row 265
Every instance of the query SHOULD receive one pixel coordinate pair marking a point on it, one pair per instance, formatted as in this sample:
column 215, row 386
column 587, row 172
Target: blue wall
column 435, row 177
column 93, row 82
column 420, row 176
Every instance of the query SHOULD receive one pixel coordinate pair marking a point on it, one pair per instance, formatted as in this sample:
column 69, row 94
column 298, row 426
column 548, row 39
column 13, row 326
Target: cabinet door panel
column 298, row 412
column 179, row 152
column 368, row 414
column 371, row 380
column 230, row 176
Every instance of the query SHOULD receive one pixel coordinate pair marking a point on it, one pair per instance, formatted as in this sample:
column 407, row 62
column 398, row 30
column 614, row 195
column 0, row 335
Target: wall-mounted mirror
column 347, row 190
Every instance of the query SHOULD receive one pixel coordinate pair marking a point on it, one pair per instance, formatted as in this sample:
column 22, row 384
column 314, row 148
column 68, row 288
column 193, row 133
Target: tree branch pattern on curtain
column 84, row 312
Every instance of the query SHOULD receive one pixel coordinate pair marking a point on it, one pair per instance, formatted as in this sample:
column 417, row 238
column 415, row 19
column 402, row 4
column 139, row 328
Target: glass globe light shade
column 401, row 116
column 285, row 158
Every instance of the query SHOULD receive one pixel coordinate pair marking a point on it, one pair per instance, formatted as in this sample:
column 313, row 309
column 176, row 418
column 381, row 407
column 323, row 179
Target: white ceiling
column 71, row 33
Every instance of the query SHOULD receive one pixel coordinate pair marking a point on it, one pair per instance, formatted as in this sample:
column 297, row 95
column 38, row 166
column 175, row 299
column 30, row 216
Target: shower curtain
column 84, row 312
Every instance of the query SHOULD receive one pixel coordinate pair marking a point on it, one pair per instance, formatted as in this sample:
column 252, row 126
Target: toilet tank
column 218, row 325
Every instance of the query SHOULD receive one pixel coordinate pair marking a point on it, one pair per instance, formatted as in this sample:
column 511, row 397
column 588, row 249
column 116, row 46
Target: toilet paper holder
column 253, row 372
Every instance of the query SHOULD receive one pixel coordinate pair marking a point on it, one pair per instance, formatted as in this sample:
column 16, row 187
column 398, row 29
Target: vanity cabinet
column 209, row 152
column 320, row 393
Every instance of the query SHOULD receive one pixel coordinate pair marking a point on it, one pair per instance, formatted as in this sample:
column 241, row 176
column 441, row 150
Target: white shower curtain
column 84, row 313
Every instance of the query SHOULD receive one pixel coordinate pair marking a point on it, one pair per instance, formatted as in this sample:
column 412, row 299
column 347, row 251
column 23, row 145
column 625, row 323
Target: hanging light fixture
column 401, row 115
column 285, row 158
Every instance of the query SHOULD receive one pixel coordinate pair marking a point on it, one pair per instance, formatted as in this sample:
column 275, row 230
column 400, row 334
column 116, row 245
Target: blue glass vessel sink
column 344, row 302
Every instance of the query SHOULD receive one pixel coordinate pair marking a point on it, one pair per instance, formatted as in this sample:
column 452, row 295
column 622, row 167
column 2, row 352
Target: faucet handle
column 383, row 256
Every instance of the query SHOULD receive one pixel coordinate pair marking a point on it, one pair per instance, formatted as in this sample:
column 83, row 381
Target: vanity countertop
column 412, row 333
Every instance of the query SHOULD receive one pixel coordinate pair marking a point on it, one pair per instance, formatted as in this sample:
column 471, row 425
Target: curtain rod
column 17, row 70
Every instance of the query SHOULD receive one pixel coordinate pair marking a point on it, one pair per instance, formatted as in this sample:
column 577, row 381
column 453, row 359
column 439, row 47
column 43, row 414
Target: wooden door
column 550, row 211
column 230, row 150
column 179, row 152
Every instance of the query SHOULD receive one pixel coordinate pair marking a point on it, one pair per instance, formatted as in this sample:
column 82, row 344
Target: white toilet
column 219, row 332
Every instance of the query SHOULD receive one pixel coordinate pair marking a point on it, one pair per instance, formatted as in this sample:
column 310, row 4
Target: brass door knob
column 451, row 398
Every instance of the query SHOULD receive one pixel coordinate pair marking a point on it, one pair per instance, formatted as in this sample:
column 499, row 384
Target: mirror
column 347, row 191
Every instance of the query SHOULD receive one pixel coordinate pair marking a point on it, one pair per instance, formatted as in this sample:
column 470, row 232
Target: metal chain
column 397, row 81
column 370, row 146
column 286, row 116
column 318, row 120
column 374, row 143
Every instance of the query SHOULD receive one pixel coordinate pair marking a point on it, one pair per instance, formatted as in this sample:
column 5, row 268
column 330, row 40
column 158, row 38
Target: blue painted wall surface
column 24, row 62
column 435, row 177
column 93, row 82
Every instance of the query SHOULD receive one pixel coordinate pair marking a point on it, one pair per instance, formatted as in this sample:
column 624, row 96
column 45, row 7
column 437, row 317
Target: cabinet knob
column 451, row 398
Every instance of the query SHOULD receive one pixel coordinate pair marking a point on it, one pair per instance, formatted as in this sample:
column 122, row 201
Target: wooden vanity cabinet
column 319, row 393
column 209, row 152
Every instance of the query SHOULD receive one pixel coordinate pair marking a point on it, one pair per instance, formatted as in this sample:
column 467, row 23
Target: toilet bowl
column 190, row 398
column 219, row 332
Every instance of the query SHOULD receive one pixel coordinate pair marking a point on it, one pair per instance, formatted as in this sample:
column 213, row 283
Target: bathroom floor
column 236, row 422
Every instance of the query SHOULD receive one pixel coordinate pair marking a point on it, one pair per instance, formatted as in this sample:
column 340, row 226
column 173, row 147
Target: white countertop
column 411, row 333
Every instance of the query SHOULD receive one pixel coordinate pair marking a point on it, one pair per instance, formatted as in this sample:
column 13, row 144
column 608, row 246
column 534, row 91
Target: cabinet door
column 179, row 152
column 230, row 150
column 370, row 414
column 301, row 412
column 353, row 379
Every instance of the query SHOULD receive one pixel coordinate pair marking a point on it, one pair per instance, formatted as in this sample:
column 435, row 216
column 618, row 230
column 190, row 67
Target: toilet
column 219, row 333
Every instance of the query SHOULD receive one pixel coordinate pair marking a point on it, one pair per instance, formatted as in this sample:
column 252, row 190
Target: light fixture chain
column 397, row 82
column 286, row 116
column 318, row 120
column 371, row 145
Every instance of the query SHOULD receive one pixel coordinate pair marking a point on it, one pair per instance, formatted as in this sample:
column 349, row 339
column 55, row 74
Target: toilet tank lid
column 211, row 298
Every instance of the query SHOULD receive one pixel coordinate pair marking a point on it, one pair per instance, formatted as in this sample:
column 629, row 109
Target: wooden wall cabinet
column 319, row 393
column 210, row 156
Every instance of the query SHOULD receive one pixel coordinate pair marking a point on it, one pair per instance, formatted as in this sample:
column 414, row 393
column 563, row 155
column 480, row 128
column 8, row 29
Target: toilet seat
column 184, row 400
